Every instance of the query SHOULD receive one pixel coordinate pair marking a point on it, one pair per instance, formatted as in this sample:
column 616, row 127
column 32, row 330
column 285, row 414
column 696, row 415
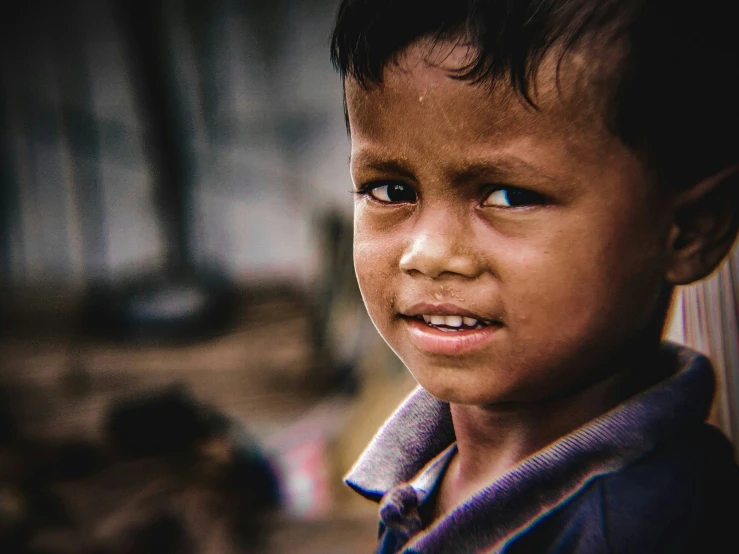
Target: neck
column 492, row 439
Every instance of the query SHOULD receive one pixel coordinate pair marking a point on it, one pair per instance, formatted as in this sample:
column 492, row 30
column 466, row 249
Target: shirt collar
column 421, row 428
column 416, row 436
column 425, row 482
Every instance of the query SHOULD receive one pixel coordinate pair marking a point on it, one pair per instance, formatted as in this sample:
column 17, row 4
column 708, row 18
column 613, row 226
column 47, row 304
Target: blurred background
column 185, row 363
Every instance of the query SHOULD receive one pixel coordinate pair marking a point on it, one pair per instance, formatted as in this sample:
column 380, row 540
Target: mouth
column 453, row 323
column 445, row 329
column 450, row 335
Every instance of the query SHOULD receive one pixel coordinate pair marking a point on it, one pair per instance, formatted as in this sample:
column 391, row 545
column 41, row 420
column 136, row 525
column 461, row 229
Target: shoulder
column 682, row 497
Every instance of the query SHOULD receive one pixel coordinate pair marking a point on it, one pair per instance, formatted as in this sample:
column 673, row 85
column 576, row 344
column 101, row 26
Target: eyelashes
column 513, row 197
column 502, row 197
column 392, row 193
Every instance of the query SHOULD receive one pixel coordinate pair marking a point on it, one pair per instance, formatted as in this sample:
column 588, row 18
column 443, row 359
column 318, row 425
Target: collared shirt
column 406, row 459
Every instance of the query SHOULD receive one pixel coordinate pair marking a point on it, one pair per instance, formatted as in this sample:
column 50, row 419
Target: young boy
column 533, row 178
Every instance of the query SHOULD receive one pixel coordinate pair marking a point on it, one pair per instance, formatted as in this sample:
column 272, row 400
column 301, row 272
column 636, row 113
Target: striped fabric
column 706, row 318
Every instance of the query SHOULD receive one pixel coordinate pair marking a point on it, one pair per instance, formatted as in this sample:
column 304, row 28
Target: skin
column 576, row 280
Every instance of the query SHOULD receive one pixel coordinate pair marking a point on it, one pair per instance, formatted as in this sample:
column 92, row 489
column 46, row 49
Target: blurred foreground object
column 168, row 476
column 66, row 388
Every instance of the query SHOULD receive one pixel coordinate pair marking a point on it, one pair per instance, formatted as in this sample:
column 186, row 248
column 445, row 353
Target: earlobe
column 705, row 225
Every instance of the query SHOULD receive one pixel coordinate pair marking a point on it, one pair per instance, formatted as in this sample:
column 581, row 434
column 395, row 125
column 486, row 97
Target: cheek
column 584, row 283
column 373, row 263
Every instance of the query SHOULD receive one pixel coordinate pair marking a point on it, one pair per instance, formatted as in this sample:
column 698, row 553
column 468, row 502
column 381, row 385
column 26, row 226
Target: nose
column 440, row 244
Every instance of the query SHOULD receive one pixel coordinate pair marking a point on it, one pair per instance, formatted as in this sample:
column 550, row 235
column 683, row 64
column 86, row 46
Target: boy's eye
column 513, row 198
column 392, row 193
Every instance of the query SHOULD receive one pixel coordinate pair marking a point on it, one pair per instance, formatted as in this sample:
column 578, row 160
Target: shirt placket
column 399, row 517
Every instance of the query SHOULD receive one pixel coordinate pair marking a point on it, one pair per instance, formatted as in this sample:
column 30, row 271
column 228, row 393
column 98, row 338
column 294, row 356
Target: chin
column 460, row 390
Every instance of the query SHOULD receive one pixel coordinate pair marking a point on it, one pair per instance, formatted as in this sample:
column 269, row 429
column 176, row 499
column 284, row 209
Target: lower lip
column 433, row 341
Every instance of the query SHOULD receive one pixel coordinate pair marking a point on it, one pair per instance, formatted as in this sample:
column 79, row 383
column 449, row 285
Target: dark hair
column 675, row 100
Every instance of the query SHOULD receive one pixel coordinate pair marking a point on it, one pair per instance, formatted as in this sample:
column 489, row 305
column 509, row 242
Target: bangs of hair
column 507, row 39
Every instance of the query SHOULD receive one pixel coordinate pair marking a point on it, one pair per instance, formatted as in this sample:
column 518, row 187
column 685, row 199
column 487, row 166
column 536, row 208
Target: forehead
column 420, row 95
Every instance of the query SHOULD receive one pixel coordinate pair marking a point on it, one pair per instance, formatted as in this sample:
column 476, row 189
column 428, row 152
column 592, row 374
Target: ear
column 705, row 225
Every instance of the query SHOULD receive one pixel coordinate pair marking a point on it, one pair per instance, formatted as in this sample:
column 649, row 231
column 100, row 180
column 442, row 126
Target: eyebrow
column 498, row 169
column 494, row 168
column 389, row 166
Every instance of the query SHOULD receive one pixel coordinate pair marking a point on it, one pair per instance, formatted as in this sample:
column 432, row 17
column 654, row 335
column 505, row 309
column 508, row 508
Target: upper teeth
column 450, row 320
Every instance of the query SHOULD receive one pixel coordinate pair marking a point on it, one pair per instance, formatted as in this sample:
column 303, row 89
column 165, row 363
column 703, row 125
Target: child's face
column 539, row 225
